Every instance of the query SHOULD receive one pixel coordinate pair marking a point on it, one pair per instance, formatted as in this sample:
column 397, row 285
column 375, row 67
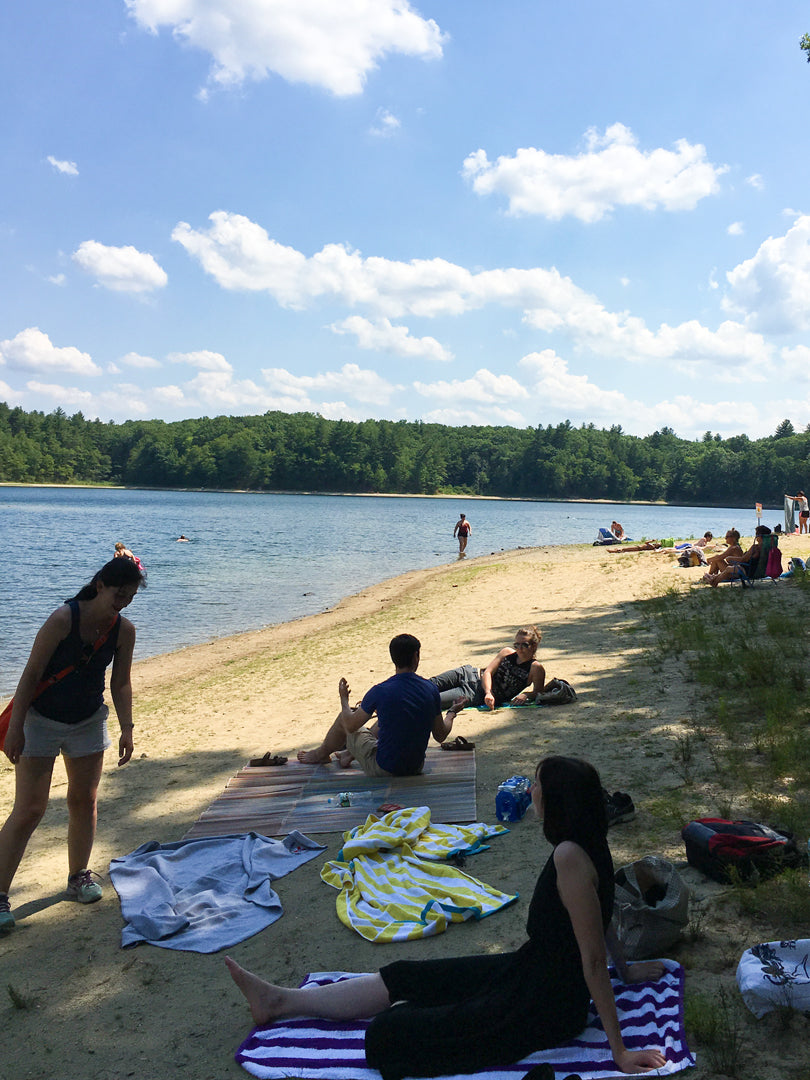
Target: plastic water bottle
column 513, row 798
column 363, row 799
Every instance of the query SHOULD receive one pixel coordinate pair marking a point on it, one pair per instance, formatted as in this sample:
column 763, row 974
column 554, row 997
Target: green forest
column 304, row 452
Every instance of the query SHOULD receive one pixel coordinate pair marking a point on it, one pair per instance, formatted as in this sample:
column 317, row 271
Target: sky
column 509, row 212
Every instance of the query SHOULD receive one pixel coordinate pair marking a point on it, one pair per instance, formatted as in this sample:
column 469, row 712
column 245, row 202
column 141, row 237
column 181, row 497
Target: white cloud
column 240, row 255
column 66, row 167
column 319, row 42
column 576, row 397
column 203, row 359
column 9, row 395
column 735, row 228
column 362, row 384
column 57, row 279
column 484, row 386
column 383, row 336
column 32, row 350
column 494, row 415
column 756, row 181
column 136, row 360
column 612, row 172
column 772, row 289
column 121, row 269
column 555, row 387
column 796, row 363
column 385, row 124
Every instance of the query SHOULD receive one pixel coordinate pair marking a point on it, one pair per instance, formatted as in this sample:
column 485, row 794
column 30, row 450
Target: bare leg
column 84, row 774
column 33, row 783
column 334, row 740
column 364, row 996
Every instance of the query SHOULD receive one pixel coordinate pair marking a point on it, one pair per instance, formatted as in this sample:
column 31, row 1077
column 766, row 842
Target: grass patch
column 715, row 1022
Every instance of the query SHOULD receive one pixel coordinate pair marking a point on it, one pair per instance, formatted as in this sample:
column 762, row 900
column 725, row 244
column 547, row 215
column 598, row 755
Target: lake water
column 256, row 559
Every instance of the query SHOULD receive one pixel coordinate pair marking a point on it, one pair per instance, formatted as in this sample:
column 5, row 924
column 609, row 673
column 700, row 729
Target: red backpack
column 716, row 847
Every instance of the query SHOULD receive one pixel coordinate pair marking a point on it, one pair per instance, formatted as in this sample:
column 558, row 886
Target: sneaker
column 6, row 918
column 81, row 887
column 620, row 808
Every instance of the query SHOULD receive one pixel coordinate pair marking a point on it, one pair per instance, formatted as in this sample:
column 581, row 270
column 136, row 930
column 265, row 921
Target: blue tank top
column 80, row 693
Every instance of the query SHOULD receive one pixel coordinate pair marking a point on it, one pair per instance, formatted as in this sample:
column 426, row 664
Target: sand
column 202, row 712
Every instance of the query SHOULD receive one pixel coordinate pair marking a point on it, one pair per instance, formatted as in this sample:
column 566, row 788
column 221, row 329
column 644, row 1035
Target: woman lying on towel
column 440, row 1017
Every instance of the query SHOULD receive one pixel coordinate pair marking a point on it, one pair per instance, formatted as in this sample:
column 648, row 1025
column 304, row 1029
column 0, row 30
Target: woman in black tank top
column 461, row 1015
column 70, row 655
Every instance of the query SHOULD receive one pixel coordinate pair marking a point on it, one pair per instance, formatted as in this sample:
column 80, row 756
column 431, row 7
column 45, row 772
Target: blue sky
column 513, row 212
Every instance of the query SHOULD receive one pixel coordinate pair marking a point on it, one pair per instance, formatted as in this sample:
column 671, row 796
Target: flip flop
column 267, row 759
column 459, row 743
column 388, row 807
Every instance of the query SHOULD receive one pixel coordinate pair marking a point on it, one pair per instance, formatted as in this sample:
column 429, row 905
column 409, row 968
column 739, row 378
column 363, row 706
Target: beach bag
column 651, row 907
column 775, row 975
column 5, row 717
column 557, row 692
column 774, row 565
column 746, row 849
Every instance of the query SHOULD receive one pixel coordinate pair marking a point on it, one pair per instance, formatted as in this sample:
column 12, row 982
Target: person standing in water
column 462, row 530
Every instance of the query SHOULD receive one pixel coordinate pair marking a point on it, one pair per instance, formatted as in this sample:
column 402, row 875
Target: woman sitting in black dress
column 459, row 1015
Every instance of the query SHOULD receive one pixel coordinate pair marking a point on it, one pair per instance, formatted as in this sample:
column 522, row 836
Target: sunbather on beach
column 719, row 562
column 458, row 1015
column 739, row 566
column 408, row 713
column 513, row 676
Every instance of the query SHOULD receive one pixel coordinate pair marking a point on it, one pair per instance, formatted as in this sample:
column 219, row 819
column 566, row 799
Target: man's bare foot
column 313, row 757
column 267, row 1002
column 344, row 758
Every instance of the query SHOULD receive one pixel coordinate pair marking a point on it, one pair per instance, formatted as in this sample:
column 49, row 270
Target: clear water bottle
column 366, row 800
column 513, row 798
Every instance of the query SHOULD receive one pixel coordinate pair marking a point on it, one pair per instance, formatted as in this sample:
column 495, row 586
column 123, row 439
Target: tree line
column 305, row 452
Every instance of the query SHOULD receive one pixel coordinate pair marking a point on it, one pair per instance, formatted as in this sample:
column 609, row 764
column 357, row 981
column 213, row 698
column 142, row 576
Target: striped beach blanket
column 651, row 1014
column 395, row 885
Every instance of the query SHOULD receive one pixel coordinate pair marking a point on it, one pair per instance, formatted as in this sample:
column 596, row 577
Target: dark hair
column 762, row 530
column 573, row 802
column 116, row 572
column 403, row 648
column 735, row 533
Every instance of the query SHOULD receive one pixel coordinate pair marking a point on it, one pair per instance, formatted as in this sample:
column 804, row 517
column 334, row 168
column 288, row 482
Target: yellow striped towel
column 393, row 886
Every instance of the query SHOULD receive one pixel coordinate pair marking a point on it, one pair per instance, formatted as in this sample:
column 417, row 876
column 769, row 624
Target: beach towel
column 394, row 885
column 204, row 895
column 651, row 1014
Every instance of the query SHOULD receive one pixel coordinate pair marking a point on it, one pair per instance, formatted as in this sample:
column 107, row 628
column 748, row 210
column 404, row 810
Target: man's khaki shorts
column 363, row 747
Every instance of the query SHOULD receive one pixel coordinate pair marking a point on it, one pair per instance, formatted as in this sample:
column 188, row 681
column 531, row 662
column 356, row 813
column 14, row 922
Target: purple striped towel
column 651, row 1014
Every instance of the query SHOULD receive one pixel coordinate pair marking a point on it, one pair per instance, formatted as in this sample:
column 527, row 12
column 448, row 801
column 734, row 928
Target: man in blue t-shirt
column 408, row 713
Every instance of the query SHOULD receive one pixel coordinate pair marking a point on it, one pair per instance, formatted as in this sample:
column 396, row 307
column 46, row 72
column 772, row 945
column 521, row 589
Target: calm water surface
column 254, row 559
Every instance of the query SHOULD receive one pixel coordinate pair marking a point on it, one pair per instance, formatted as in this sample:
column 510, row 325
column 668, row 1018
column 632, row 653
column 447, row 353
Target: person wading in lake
column 71, row 652
column 462, row 530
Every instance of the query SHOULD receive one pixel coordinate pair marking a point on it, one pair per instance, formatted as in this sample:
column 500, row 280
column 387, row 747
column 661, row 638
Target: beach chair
column 766, row 565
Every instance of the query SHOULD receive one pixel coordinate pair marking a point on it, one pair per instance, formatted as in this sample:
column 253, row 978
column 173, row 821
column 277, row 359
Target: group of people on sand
column 409, row 708
column 430, row 1017
column 734, row 564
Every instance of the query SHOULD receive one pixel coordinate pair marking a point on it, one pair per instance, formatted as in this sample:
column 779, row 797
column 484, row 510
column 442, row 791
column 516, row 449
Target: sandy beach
column 201, row 713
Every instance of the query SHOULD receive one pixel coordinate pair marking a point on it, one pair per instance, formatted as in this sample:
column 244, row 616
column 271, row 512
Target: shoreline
column 388, row 495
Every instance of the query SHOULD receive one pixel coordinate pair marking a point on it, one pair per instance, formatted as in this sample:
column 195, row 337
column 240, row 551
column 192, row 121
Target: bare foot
column 345, row 758
column 313, row 757
column 266, row 1001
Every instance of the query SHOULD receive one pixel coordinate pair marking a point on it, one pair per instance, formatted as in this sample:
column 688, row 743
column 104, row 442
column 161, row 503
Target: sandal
column 267, row 759
column 459, row 743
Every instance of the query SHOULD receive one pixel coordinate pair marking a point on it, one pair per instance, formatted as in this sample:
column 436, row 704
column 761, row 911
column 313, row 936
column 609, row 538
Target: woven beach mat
column 273, row 800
